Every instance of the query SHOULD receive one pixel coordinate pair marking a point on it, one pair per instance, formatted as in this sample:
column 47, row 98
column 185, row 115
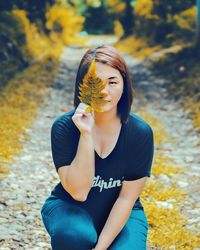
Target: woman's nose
column 105, row 90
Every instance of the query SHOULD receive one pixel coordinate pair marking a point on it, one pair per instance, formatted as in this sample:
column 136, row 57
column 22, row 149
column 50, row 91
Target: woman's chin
column 106, row 108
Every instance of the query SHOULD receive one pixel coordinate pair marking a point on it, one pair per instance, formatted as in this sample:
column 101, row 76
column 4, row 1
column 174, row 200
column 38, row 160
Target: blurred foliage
column 166, row 18
column 137, row 47
column 118, row 29
column 169, row 19
column 35, row 9
column 144, row 8
column 64, row 24
column 38, row 45
column 123, row 12
column 12, row 53
column 109, row 10
column 186, row 18
column 96, row 25
column 23, row 41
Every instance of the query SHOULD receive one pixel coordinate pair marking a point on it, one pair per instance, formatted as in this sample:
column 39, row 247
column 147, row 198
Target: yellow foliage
column 112, row 3
column 118, row 29
column 90, row 90
column 167, row 228
column 162, row 165
column 120, row 7
column 38, row 45
column 116, row 6
column 171, row 193
column 64, row 24
column 136, row 47
column 94, row 3
column 160, row 134
column 194, row 108
column 196, row 116
column 144, row 8
column 18, row 103
column 61, row 3
column 186, row 19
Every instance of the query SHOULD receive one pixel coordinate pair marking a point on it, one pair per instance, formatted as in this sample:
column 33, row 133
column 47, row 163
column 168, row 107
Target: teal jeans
column 71, row 228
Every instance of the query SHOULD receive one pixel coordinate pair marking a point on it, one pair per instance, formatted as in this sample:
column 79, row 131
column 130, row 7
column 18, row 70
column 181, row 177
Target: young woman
column 103, row 160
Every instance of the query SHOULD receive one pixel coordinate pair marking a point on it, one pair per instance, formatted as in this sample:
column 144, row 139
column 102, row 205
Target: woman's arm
column 77, row 178
column 120, row 212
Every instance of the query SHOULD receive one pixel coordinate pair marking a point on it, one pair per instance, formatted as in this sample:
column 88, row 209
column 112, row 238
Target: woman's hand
column 83, row 121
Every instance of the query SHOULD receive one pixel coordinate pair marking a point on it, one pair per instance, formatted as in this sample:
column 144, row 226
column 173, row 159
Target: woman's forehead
column 107, row 71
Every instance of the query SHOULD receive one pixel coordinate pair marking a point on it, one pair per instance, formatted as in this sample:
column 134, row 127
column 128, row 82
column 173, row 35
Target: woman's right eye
column 113, row 82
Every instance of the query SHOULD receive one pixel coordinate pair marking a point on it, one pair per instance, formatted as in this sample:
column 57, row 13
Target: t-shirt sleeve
column 63, row 143
column 140, row 158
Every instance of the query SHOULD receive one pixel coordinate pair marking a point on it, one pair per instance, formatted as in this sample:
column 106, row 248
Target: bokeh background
column 41, row 44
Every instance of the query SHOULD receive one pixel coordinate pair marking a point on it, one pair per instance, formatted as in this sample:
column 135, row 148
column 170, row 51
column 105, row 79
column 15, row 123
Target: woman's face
column 114, row 86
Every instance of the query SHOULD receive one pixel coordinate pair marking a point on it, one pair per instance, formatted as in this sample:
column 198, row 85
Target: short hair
column 108, row 55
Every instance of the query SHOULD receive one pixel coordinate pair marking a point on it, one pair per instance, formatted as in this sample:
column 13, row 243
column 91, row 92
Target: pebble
column 164, row 204
column 182, row 184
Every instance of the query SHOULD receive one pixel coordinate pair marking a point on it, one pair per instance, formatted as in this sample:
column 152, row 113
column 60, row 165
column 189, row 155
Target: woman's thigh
column 69, row 226
column 134, row 234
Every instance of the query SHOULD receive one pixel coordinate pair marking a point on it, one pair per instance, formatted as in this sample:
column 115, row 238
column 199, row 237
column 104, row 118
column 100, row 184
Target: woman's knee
column 69, row 226
column 73, row 238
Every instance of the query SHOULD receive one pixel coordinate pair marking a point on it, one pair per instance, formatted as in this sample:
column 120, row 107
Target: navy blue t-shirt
column 131, row 159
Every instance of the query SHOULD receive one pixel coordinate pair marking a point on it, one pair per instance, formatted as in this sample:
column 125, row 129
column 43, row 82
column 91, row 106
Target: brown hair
column 108, row 55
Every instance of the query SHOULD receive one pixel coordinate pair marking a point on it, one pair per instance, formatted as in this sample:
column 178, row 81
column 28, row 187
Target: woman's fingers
column 83, row 120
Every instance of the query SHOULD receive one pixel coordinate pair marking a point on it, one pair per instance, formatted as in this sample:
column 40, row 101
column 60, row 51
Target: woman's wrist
column 99, row 247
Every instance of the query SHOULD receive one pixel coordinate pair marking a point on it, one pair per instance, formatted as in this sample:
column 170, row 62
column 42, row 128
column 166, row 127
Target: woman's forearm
column 80, row 174
column 117, row 219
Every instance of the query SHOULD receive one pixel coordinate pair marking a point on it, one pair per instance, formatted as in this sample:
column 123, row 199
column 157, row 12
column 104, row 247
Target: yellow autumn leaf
column 91, row 90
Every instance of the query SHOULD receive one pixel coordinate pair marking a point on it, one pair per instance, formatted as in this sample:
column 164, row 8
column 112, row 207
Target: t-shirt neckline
column 115, row 147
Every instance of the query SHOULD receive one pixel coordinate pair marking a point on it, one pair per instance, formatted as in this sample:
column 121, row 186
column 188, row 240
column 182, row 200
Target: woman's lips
column 106, row 100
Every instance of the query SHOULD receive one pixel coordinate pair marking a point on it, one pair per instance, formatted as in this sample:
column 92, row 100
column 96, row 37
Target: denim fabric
column 72, row 228
column 133, row 236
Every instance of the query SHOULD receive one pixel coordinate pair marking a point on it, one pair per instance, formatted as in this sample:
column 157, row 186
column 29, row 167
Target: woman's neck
column 106, row 119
